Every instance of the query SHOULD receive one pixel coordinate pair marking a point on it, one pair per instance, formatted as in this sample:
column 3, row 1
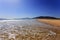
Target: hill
column 45, row 17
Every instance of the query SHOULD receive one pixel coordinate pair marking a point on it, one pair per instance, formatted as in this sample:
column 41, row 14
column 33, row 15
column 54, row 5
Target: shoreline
column 52, row 22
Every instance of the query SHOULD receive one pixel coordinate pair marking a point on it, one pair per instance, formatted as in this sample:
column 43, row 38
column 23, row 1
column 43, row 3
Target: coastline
column 52, row 22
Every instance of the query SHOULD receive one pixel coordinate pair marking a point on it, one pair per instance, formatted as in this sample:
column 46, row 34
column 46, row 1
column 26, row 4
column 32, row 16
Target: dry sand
column 55, row 23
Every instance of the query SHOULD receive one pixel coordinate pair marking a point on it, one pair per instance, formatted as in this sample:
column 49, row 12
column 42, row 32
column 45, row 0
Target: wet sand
column 55, row 25
column 26, row 30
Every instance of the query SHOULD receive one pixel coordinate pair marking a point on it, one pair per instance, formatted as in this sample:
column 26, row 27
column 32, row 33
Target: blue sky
column 29, row 8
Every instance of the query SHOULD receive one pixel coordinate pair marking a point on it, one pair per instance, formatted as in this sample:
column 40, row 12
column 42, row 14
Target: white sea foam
column 9, row 20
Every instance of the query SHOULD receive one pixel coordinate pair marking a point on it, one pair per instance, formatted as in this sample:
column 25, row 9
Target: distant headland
column 45, row 17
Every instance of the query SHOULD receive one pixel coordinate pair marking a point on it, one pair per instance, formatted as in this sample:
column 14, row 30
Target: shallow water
column 25, row 30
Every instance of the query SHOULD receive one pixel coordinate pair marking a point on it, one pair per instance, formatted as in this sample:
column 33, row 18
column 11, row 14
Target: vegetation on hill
column 45, row 17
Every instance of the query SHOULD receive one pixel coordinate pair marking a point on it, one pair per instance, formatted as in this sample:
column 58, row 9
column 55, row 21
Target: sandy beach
column 54, row 23
column 27, row 30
